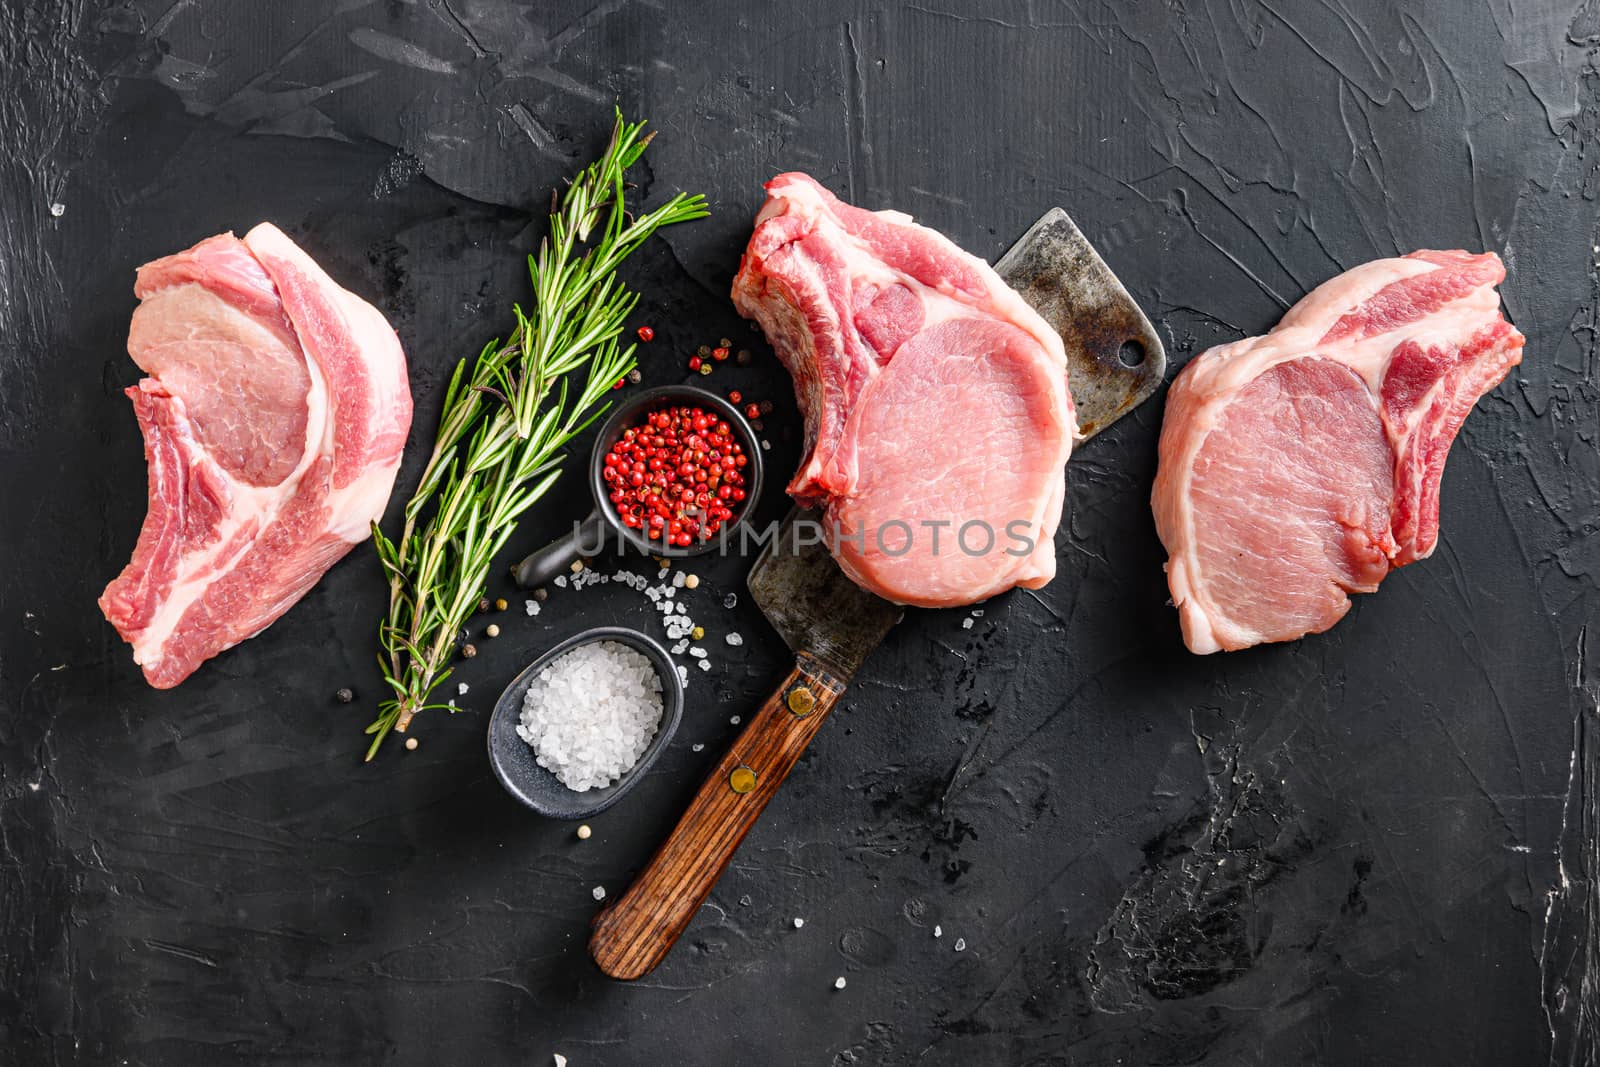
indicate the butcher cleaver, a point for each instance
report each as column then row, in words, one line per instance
column 1115, row 361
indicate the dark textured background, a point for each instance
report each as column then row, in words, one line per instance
column 1377, row 845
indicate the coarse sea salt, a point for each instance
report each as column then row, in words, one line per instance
column 590, row 714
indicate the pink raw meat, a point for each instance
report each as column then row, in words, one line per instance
column 274, row 417
column 933, row 395
column 1301, row 466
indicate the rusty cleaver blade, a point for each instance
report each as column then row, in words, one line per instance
column 1115, row 361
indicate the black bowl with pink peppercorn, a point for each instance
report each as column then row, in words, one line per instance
column 674, row 473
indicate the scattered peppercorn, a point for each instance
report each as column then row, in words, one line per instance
column 725, row 343
column 411, row 744
column 500, row 604
column 491, row 630
column 691, row 581
column 483, row 605
column 698, row 632
column 345, row 696
column 742, row 356
column 734, row 396
column 577, row 565
column 635, row 376
column 766, row 407
column 618, row 383
column 753, row 411
column 468, row 651
column 646, row 334
column 584, row 832
column 694, row 363
column 705, row 368
column 720, row 354
column 541, row 594
column 677, row 475
column 704, row 352
column 757, row 425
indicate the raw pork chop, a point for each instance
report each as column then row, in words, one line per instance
column 274, row 417
column 1301, row 466
column 936, row 405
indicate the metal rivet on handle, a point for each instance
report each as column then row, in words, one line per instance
column 800, row 701
column 742, row 779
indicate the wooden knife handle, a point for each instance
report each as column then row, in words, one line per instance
column 634, row 934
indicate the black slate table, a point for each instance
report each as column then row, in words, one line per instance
column 1377, row 845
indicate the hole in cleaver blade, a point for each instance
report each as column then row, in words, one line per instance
column 1114, row 358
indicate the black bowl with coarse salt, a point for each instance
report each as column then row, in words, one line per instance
column 514, row 761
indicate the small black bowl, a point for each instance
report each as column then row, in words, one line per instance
column 604, row 525
column 513, row 759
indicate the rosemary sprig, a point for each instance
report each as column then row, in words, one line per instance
column 506, row 417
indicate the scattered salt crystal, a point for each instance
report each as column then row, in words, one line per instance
column 696, row 747
column 452, row 702
column 599, row 892
column 532, row 607
column 730, row 601
column 977, row 613
column 697, row 652
column 677, row 649
column 734, row 719
column 560, row 582
column 683, row 674
column 734, row 639
column 938, row 931
column 966, row 624
column 705, row 665
column 798, row 922
column 961, row 944
column 671, row 591
column 678, row 580
column 590, row 715
column 561, row 1061
column 838, row 983
column 744, row 901
column 461, row 690
column 58, row 209
column 765, row 445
